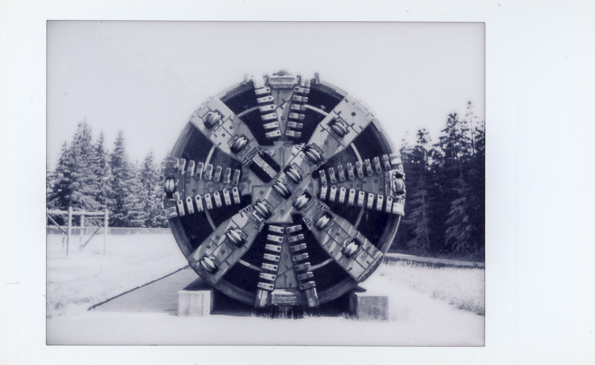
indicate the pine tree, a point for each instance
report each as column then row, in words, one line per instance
column 51, row 179
column 445, row 171
column 418, row 216
column 437, row 188
column 82, row 175
column 102, row 172
column 418, row 219
column 454, row 144
column 460, row 232
column 151, row 191
column 121, row 184
column 476, row 177
column 134, row 203
column 61, row 188
column 74, row 175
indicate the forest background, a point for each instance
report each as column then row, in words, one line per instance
column 445, row 182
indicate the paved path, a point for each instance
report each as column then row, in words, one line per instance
column 158, row 296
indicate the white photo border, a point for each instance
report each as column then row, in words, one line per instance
column 538, row 78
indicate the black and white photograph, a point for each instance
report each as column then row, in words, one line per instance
column 297, row 182
column 315, row 183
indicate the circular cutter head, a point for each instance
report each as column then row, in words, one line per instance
column 284, row 191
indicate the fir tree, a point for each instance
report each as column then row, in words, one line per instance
column 135, row 201
column 476, row 177
column 74, row 175
column 417, row 219
column 51, row 179
column 460, row 232
column 61, row 188
column 102, row 172
column 82, row 175
column 151, row 191
column 454, row 144
column 452, row 156
column 121, row 184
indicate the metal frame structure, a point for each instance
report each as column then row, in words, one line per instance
column 70, row 213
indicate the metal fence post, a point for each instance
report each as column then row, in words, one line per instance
column 105, row 220
column 69, row 228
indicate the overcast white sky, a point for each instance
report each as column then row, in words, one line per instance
column 146, row 78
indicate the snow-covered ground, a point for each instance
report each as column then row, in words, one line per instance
column 461, row 287
column 83, row 278
column 428, row 306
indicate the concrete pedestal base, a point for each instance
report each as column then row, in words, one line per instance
column 199, row 299
column 368, row 307
column 195, row 300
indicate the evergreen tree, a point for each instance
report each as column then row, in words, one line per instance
column 445, row 206
column 454, row 145
column 437, row 187
column 418, row 216
column 476, row 177
column 418, row 219
column 74, row 175
column 134, row 203
column 102, row 172
column 460, row 232
column 448, row 155
column 151, row 191
column 121, row 184
column 51, row 179
column 61, row 188
column 83, row 184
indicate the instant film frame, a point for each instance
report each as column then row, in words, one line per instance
column 409, row 75
column 516, row 41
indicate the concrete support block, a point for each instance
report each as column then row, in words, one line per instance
column 368, row 307
column 196, row 300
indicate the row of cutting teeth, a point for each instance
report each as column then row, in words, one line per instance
column 270, row 265
column 200, row 171
column 299, row 255
column 297, row 109
column 267, row 110
column 199, row 203
column 361, row 199
column 378, row 165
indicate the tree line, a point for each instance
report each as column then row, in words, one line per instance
column 89, row 177
column 444, row 211
column 445, row 206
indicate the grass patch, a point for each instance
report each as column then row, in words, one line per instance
column 461, row 287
